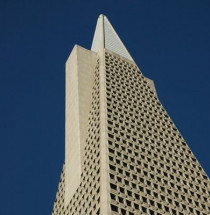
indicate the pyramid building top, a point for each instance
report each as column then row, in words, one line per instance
column 123, row 153
column 106, row 37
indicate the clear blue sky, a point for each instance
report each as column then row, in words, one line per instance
column 170, row 42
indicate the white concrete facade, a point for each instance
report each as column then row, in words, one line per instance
column 123, row 153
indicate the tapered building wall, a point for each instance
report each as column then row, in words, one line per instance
column 152, row 170
column 124, row 155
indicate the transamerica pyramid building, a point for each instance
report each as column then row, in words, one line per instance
column 123, row 153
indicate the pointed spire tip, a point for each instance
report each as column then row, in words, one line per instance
column 106, row 37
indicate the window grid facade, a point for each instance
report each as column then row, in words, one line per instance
column 152, row 170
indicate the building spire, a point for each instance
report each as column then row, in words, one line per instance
column 106, row 37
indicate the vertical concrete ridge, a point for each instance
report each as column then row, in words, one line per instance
column 105, row 201
column 72, row 132
column 79, row 82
